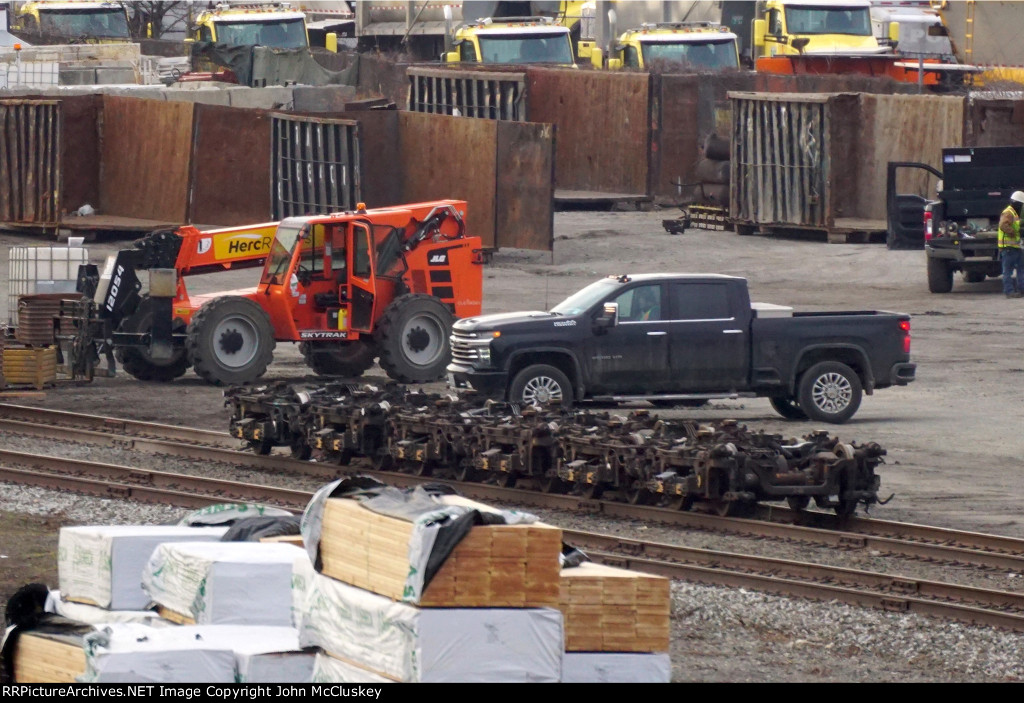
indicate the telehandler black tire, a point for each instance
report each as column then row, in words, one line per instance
column 137, row 362
column 412, row 338
column 338, row 358
column 230, row 340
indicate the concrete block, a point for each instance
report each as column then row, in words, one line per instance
column 114, row 76
column 206, row 96
column 271, row 98
column 327, row 98
column 77, row 75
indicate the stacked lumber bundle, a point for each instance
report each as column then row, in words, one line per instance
column 48, row 658
column 378, row 637
column 224, row 583
column 620, row 619
column 489, row 613
column 30, row 366
column 493, row 566
column 102, row 565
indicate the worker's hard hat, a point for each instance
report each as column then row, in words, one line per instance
column 1017, row 197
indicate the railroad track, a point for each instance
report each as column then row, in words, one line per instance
column 781, row 576
column 905, row 540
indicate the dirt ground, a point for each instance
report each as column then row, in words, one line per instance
column 953, row 437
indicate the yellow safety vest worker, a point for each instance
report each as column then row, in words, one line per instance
column 1010, row 241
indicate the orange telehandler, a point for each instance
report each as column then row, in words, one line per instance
column 349, row 287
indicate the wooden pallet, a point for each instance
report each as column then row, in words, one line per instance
column 493, row 566
column 614, row 610
column 45, row 659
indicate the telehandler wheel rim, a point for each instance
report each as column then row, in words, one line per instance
column 832, row 392
column 424, row 339
column 236, row 341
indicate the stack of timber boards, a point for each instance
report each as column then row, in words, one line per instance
column 613, row 610
column 493, row 566
column 370, row 637
column 488, row 615
column 616, row 625
column 223, row 583
column 48, row 658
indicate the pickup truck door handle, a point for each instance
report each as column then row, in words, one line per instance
column 732, row 331
column 657, row 334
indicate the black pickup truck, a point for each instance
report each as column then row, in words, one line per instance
column 701, row 338
column 960, row 227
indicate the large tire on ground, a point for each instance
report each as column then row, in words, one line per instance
column 137, row 362
column 412, row 338
column 541, row 385
column 230, row 340
column 787, row 407
column 940, row 276
column 338, row 358
column 830, row 392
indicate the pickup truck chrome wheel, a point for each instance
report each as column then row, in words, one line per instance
column 830, row 391
column 541, row 385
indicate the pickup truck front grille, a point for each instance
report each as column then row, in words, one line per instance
column 465, row 348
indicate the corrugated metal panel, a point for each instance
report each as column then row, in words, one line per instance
column 451, row 157
column 314, row 165
column 603, row 140
column 378, row 135
column 525, row 189
column 146, row 146
column 30, row 165
column 780, row 159
column 230, row 166
column 491, row 95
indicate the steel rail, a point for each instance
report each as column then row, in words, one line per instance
column 797, row 579
column 926, row 543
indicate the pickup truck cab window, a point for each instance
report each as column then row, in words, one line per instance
column 700, row 301
column 640, row 304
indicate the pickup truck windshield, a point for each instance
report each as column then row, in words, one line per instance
column 715, row 55
column 583, row 300
column 279, row 34
column 827, row 19
column 517, row 48
column 110, row 23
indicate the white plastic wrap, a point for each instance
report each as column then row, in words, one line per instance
column 411, row 644
column 92, row 615
column 133, row 653
column 225, row 583
column 611, row 667
column 327, row 669
column 103, row 564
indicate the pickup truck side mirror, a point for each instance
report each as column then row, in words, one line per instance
column 607, row 318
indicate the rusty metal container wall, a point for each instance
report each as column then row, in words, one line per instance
column 30, row 164
column 779, row 164
column 604, row 146
column 993, row 122
column 230, row 166
column 145, row 155
column 314, row 165
column 491, row 95
column 524, row 198
column 451, row 157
